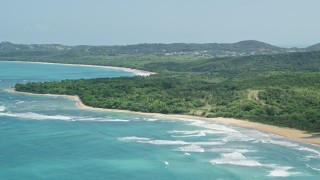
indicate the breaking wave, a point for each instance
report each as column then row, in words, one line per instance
column 317, row 169
column 235, row 158
column 225, row 150
column 166, row 142
column 133, row 138
column 276, row 142
column 216, row 127
column 191, row 148
column 150, row 119
column 36, row 116
column 2, row 108
column 281, row 171
column 313, row 153
column 19, row 102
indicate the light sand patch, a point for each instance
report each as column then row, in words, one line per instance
column 253, row 95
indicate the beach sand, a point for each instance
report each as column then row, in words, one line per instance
column 293, row 134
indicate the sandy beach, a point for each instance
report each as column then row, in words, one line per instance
column 134, row 71
column 293, row 134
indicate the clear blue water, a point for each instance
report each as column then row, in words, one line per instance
column 49, row 138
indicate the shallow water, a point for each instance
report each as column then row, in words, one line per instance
column 49, row 138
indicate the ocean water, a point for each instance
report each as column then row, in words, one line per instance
column 49, row 138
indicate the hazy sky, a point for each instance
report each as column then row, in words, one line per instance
column 121, row 22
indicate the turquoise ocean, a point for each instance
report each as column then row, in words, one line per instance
column 48, row 137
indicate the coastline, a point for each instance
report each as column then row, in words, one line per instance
column 289, row 133
column 134, row 71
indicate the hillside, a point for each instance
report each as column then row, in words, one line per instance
column 211, row 49
column 141, row 56
column 315, row 47
column 303, row 61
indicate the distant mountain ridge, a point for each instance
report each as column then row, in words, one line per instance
column 297, row 61
column 242, row 48
column 242, row 56
column 315, row 47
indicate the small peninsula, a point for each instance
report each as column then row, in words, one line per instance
column 278, row 89
column 275, row 86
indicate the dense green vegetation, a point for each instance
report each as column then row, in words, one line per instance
column 306, row 61
column 278, row 88
column 285, row 99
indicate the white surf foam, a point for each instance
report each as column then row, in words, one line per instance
column 191, row 148
column 133, row 138
column 165, row 142
column 36, row 116
column 2, row 108
column 100, row 119
column 235, row 158
column 308, row 150
column 113, row 120
column 195, row 133
column 281, row 171
column 89, row 119
column 212, row 126
column 152, row 141
column 150, row 119
column 200, row 134
column 317, row 169
column 244, row 134
column 276, row 142
column 283, row 143
column 19, row 102
column 313, row 154
column 208, row 143
column 229, row 150
column 237, row 137
column 178, row 142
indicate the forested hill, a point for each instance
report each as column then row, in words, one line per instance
column 303, row 61
column 315, row 47
column 249, row 47
column 213, row 57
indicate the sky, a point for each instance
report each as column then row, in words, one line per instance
column 285, row 23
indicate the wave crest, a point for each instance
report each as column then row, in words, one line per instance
column 192, row 148
column 235, row 158
column 36, row 116
column 281, row 171
column 2, row 108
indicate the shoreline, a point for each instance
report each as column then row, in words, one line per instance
column 137, row 72
column 289, row 133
